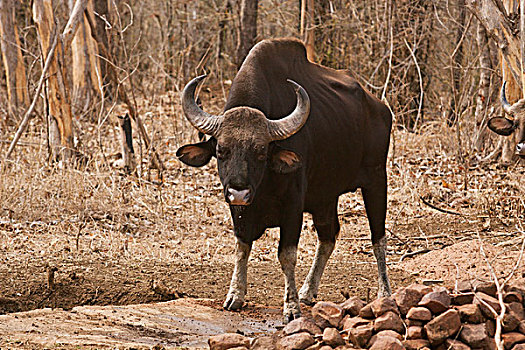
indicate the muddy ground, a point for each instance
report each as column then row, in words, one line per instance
column 120, row 240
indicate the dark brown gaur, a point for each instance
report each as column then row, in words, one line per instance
column 505, row 126
column 282, row 152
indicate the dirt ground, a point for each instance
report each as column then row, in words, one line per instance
column 120, row 240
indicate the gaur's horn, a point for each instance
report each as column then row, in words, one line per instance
column 506, row 105
column 202, row 121
column 289, row 125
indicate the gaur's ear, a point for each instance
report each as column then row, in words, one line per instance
column 502, row 126
column 197, row 154
column 284, row 161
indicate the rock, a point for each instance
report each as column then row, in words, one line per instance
column 366, row 312
column 387, row 333
column 389, row 320
column 475, row 335
column 519, row 347
column 462, row 299
column 414, row 323
column 521, row 327
column 239, row 348
column 355, row 322
column 360, row 335
column 407, row 298
column 421, row 288
column 490, row 326
column 509, row 339
column 297, row 341
column 419, row 314
column 479, row 296
column 511, row 297
column 383, row 305
column 263, row 343
column 520, row 290
column 332, row 337
column 517, row 308
column 510, row 321
column 228, row 341
column 416, row 344
column 302, row 324
column 443, row 326
column 327, row 314
column 325, row 347
column 436, row 301
column 464, row 287
column 352, row 306
column 387, row 343
column 486, row 287
column 453, row 344
column 415, row 332
column 470, row 313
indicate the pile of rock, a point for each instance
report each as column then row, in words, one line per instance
column 415, row 317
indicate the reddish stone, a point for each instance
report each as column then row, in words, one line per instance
column 302, row 325
column 509, row 339
column 436, row 301
column 366, row 312
column 263, row 343
column 462, row 299
column 470, row 313
column 383, row 305
column 452, row 344
column 415, row 332
column 510, row 321
column 410, row 323
column 406, row 298
column 419, row 314
column 387, row 343
column 475, row 335
column 352, row 306
column 360, row 335
column 386, row 333
column 481, row 299
column 443, row 326
column 521, row 327
column 517, row 308
column 355, row 322
column 486, row 287
column 421, row 288
column 324, row 347
column 239, row 348
column 490, row 326
column 416, row 344
column 512, row 297
column 296, row 341
column 228, row 341
column 327, row 314
column 332, row 337
column 389, row 320
column 519, row 347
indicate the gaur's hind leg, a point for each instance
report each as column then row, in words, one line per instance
column 374, row 197
column 235, row 297
column 326, row 223
column 288, row 258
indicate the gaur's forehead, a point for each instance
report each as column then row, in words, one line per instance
column 243, row 125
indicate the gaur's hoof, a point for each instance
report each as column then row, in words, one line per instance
column 233, row 302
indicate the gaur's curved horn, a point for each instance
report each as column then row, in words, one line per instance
column 289, row 125
column 202, row 121
column 505, row 104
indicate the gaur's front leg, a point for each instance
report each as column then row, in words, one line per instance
column 237, row 292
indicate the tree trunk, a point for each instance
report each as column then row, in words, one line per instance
column 483, row 97
column 248, row 29
column 59, row 109
column 18, row 97
column 86, row 73
column 307, row 27
column 455, row 106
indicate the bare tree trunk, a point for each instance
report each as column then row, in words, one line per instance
column 18, row 97
column 455, row 106
column 59, row 108
column 248, row 29
column 307, row 27
column 100, row 12
column 86, row 72
column 483, row 98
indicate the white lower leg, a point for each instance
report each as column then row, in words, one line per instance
column 380, row 254
column 288, row 258
column 237, row 292
column 308, row 291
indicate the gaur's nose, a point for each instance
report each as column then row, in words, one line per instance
column 239, row 197
column 520, row 149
